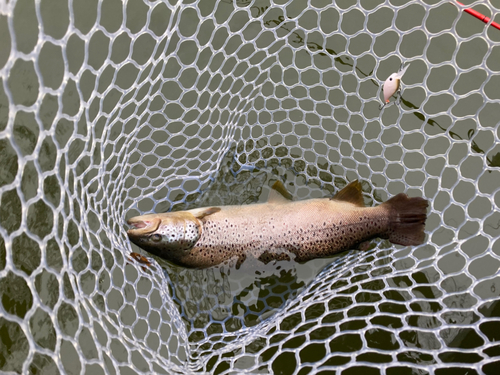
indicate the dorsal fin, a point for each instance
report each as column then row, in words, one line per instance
column 351, row 193
column 279, row 194
column 200, row 213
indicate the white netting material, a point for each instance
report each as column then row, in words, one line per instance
column 110, row 109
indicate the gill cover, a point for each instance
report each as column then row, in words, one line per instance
column 178, row 231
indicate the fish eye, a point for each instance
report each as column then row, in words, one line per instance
column 156, row 237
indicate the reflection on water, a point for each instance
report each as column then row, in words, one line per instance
column 228, row 300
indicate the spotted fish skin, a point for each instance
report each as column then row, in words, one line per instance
column 279, row 229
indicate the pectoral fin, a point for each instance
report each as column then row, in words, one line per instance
column 200, row 213
column 351, row 193
column 279, row 194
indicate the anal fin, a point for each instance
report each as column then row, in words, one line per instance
column 364, row 246
column 200, row 213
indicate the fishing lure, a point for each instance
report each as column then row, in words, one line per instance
column 393, row 85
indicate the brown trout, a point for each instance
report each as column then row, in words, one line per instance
column 280, row 229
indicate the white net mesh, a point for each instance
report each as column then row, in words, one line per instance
column 111, row 109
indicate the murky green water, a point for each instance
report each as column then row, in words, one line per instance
column 124, row 109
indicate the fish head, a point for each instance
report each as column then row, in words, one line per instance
column 391, row 85
column 167, row 235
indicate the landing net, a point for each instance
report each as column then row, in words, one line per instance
column 110, row 109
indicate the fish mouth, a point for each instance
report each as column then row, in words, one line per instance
column 139, row 226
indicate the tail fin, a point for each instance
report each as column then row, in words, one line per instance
column 407, row 217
